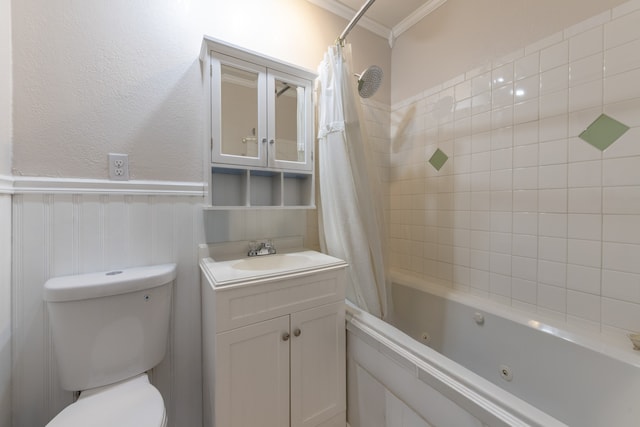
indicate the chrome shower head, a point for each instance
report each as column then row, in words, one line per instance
column 369, row 81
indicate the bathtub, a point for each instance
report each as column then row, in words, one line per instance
column 453, row 360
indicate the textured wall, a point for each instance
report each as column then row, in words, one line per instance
column 5, row 87
column 93, row 78
column 462, row 34
column 524, row 211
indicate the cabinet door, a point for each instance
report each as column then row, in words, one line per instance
column 238, row 109
column 290, row 121
column 318, row 365
column 252, row 375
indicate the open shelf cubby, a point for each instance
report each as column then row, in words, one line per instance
column 242, row 188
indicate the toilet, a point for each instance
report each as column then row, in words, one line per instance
column 108, row 330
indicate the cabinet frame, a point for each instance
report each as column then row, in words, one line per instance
column 300, row 196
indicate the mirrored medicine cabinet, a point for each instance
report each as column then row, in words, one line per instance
column 260, row 135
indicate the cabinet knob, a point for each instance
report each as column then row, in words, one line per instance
column 264, row 140
column 297, row 332
column 285, row 336
column 272, row 141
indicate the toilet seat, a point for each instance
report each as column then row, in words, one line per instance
column 130, row 403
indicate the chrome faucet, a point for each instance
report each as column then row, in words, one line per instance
column 261, row 248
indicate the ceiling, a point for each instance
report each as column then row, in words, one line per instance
column 387, row 18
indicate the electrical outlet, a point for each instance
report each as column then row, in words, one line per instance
column 119, row 167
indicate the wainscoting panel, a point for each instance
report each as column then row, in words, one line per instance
column 61, row 234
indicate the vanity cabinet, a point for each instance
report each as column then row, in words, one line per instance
column 259, row 146
column 274, row 346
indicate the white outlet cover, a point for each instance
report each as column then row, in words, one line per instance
column 119, row 167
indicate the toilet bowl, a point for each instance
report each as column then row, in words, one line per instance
column 108, row 330
column 129, row 403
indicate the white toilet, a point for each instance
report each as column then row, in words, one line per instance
column 108, row 330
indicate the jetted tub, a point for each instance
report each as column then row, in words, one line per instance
column 455, row 360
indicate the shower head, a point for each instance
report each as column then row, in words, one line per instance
column 369, row 81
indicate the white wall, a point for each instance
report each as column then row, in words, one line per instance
column 125, row 77
column 463, row 34
column 5, row 87
column 524, row 211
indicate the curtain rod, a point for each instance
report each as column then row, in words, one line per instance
column 354, row 21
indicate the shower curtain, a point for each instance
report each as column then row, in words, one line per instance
column 350, row 214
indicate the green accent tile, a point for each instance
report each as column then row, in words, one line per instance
column 603, row 132
column 438, row 159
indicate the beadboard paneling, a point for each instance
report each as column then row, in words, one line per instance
column 60, row 234
column 5, row 310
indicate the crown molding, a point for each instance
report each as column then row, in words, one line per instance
column 347, row 13
column 415, row 17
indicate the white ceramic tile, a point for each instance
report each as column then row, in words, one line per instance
column 624, row 315
column 586, row 253
column 621, row 171
column 554, row 56
column 463, row 90
column 622, row 87
column 588, row 95
column 585, row 174
column 500, row 285
column 479, row 279
column 554, row 80
column 525, row 223
column 481, row 161
column 527, row 66
column 552, row 249
column 552, row 225
column 525, row 201
column 625, row 8
column 500, row 263
column 501, row 243
column 479, row 259
column 554, row 128
column 548, row 41
column 502, row 117
column 524, row 268
column 621, row 200
column 583, row 305
column 462, row 127
column 622, row 30
column 622, row 58
column 580, row 120
column 585, row 226
column 480, row 123
column 502, row 138
column 481, row 83
column 552, row 298
column 525, row 245
column 554, row 104
column 525, row 133
column 621, row 257
column 621, row 286
column 525, row 156
column 501, row 159
column 508, row 58
column 627, row 112
column 480, row 182
column 580, row 151
column 462, row 109
column 502, row 75
column 525, row 178
column 621, row 228
column 524, row 290
column 585, row 200
column 526, row 111
column 586, row 70
column 553, row 152
column 586, row 43
column 527, row 89
column 501, row 200
column 480, row 240
column 553, row 201
column 583, row 279
column 552, row 176
column 480, row 142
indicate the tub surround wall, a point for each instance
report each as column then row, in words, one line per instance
column 524, row 211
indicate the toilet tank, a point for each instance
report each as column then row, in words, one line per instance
column 109, row 326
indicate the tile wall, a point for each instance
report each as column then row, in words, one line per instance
column 524, row 211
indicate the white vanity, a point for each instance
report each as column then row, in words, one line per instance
column 273, row 339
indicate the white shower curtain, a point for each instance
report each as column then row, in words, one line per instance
column 350, row 215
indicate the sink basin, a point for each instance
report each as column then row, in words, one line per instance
column 271, row 262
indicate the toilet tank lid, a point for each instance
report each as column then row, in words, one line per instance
column 107, row 283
